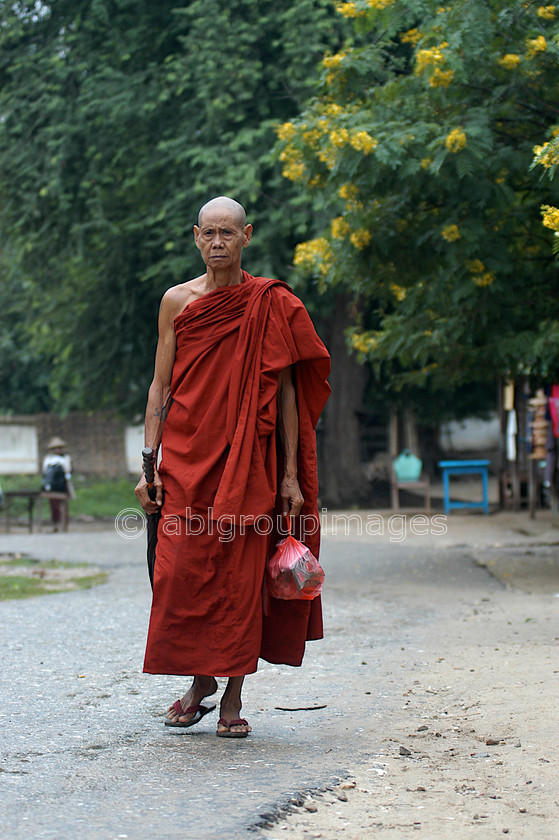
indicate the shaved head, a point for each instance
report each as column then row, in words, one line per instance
column 222, row 202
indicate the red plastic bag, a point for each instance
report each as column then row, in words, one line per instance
column 294, row 572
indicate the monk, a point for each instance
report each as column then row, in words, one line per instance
column 238, row 387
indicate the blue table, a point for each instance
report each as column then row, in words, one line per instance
column 449, row 468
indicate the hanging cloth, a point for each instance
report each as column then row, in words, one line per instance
column 508, row 396
column 512, row 430
column 554, row 408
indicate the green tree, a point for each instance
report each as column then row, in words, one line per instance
column 119, row 119
column 417, row 153
column 24, row 378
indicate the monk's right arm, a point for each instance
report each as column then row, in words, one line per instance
column 159, row 397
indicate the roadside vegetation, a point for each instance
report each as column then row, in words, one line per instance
column 24, row 577
column 96, row 498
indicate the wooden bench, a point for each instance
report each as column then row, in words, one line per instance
column 423, row 484
column 31, row 496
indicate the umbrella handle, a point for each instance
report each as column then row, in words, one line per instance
column 148, row 458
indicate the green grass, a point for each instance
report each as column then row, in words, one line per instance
column 44, row 577
column 103, row 498
column 96, row 497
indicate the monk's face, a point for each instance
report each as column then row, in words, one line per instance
column 221, row 238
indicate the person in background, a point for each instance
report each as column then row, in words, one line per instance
column 57, row 478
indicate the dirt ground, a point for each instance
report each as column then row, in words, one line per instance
column 472, row 749
column 457, row 736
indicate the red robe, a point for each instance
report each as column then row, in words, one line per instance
column 221, row 460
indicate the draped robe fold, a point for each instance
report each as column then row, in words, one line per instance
column 221, row 466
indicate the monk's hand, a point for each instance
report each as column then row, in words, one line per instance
column 142, row 494
column 291, row 496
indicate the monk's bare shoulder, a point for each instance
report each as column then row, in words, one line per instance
column 178, row 297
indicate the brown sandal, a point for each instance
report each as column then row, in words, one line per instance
column 229, row 724
column 199, row 712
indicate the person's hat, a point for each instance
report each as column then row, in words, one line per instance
column 55, row 442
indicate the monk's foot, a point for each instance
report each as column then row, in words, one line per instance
column 201, row 687
column 231, row 724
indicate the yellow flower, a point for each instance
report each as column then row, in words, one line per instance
column 379, row 4
column 547, row 12
column 328, row 156
column 483, row 279
column 339, row 137
column 426, row 162
column 535, row 46
column 286, row 131
column 412, row 36
column 363, row 342
column 475, row 266
column 312, row 136
column 331, row 62
column 425, row 58
column 348, row 10
column 285, row 154
column 456, row 140
column 510, row 61
column 294, row 171
column 441, row 78
column 315, row 181
column 316, row 253
column 502, row 176
column 547, row 155
column 348, row 191
column 398, row 291
column 451, row 233
column 353, row 206
column 363, row 142
column 550, row 217
column 294, row 167
column 360, row 238
column 339, row 227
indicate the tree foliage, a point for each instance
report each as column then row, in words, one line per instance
column 417, row 153
column 119, row 119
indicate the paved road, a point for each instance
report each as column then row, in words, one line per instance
column 84, row 751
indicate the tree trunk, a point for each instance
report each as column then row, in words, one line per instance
column 393, row 440
column 411, row 440
column 342, row 479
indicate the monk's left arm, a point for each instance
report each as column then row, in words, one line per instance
column 292, row 498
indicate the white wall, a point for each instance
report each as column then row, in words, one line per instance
column 19, row 449
column 133, row 444
column 471, row 435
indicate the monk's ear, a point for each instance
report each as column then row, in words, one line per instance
column 247, row 233
column 196, row 231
